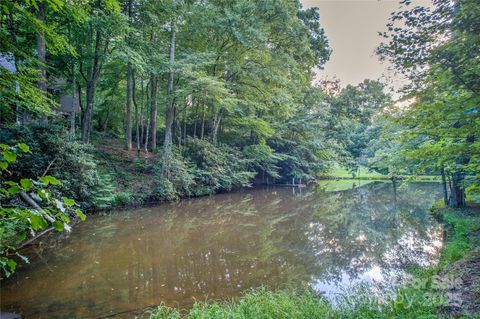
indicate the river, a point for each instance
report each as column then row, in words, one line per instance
column 211, row 248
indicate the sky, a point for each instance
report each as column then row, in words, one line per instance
column 352, row 28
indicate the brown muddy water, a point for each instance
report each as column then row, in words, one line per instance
column 116, row 264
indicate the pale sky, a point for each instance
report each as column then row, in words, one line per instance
column 352, row 28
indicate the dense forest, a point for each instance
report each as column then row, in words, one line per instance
column 108, row 103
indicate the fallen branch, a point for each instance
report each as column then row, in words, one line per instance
column 35, row 238
column 48, row 167
column 26, row 198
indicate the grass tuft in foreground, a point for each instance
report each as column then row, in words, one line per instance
column 257, row 304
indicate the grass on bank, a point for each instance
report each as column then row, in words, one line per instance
column 424, row 297
column 335, row 185
column 339, row 172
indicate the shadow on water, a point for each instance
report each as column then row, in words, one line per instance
column 218, row 246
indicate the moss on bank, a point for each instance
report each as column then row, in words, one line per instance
column 449, row 289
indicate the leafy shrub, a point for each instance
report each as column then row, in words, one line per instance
column 297, row 160
column 262, row 158
column 179, row 182
column 216, row 167
column 123, row 198
column 182, row 174
column 201, row 168
column 27, row 205
column 164, row 189
column 54, row 153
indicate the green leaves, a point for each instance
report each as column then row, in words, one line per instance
column 8, row 265
column 80, row 214
column 13, row 188
column 24, row 147
column 26, row 183
column 38, row 222
column 49, row 180
column 9, row 156
column 58, row 225
column 35, row 209
column 68, row 202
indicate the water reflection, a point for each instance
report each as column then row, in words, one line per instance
column 216, row 247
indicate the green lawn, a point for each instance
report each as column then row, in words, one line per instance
column 339, row 172
column 334, row 185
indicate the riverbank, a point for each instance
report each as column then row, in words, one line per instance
column 449, row 289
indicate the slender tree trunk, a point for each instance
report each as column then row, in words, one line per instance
column 13, row 35
column 74, row 103
column 137, row 124
column 80, row 104
column 185, row 117
column 142, row 106
column 42, row 57
column 444, row 186
column 87, row 116
column 153, row 112
column 179, row 131
column 41, row 50
column 216, row 125
column 128, row 124
column 202, row 130
column 147, row 127
column 128, row 120
column 457, row 194
column 195, row 115
column 167, row 145
column 72, row 124
column 91, row 80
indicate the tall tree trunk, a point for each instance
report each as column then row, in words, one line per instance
column 153, row 112
column 195, row 115
column 128, row 120
column 13, row 35
column 128, row 114
column 87, row 116
column 41, row 55
column 202, row 130
column 142, row 106
column 147, row 127
column 41, row 50
column 185, row 118
column 167, row 145
column 80, row 104
column 444, row 186
column 216, row 125
column 91, row 79
column 457, row 194
column 137, row 124
column 74, row 103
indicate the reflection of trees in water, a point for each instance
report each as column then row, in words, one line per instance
column 277, row 240
column 218, row 246
column 352, row 231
